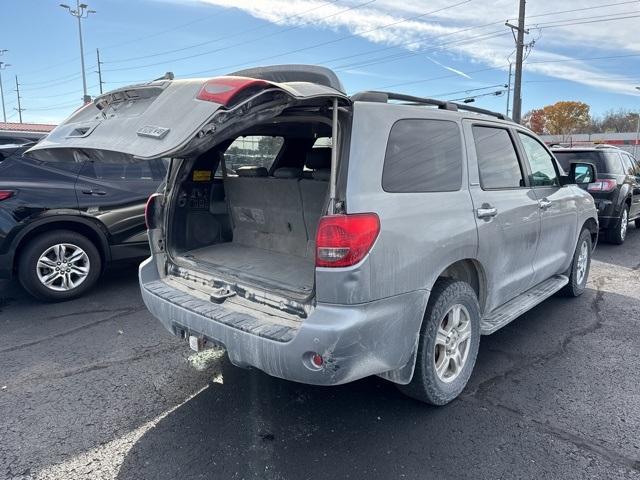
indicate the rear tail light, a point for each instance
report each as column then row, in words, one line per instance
column 151, row 210
column 603, row 185
column 4, row 194
column 227, row 90
column 344, row 240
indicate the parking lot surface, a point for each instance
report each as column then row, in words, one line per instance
column 96, row 389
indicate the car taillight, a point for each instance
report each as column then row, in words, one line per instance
column 4, row 194
column 223, row 90
column 344, row 240
column 150, row 218
column 603, row 185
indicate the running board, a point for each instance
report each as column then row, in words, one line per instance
column 522, row 303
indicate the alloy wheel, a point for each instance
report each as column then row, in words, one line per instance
column 63, row 267
column 624, row 224
column 453, row 341
column 583, row 262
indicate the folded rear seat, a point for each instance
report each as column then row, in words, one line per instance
column 267, row 213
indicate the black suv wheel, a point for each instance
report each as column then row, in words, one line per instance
column 618, row 233
column 59, row 265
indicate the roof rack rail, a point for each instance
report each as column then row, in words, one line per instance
column 606, row 145
column 384, row 97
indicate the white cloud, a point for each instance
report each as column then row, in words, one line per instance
column 389, row 23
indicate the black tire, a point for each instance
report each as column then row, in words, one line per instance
column 576, row 285
column 27, row 265
column 426, row 385
column 616, row 234
column 637, row 222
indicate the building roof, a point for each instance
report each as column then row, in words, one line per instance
column 26, row 127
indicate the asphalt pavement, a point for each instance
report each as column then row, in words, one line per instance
column 96, row 389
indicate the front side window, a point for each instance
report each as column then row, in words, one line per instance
column 423, row 156
column 497, row 158
column 629, row 167
column 543, row 170
column 252, row 151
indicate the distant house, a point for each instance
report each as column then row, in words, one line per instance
column 625, row 141
column 22, row 132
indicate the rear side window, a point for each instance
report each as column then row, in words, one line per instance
column 629, row 166
column 497, row 159
column 252, row 151
column 120, row 172
column 605, row 162
column 423, row 156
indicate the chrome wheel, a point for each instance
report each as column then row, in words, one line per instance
column 624, row 224
column 63, row 267
column 583, row 262
column 453, row 341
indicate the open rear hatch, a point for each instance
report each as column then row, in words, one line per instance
column 185, row 119
column 174, row 118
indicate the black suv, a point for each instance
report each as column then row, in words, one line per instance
column 617, row 189
column 61, row 223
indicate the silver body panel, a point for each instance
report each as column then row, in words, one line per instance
column 367, row 317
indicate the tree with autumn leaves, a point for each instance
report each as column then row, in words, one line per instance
column 561, row 118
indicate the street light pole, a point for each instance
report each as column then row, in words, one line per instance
column 81, row 11
column 3, row 65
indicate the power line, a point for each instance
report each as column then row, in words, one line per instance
column 402, row 55
column 550, row 25
column 595, row 7
column 566, row 60
column 330, row 42
column 497, row 93
column 471, row 90
column 209, row 52
column 227, row 36
column 162, row 32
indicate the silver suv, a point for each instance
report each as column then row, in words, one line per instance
column 323, row 238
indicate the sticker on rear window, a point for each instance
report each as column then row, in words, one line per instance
column 153, row 131
column 202, row 175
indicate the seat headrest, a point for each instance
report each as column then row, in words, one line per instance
column 252, row 172
column 319, row 158
column 324, row 174
column 288, row 172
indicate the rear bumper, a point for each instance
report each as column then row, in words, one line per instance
column 355, row 341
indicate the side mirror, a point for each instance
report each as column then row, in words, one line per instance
column 582, row 173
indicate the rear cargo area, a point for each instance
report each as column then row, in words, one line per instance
column 256, row 224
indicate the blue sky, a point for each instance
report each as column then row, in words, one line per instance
column 447, row 48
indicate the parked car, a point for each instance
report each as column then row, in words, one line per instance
column 62, row 222
column 617, row 189
column 424, row 225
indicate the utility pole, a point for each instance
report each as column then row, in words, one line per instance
column 517, row 89
column 99, row 72
column 3, row 65
column 635, row 147
column 81, row 11
column 509, row 88
column 19, row 109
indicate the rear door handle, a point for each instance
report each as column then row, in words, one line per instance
column 486, row 212
column 94, row 192
column 545, row 204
